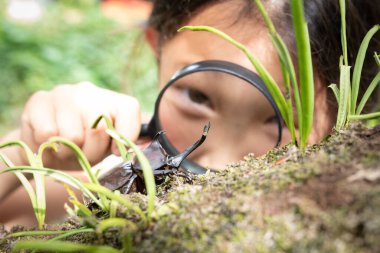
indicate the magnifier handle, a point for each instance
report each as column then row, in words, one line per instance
column 144, row 132
column 149, row 129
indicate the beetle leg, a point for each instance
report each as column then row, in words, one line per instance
column 126, row 189
column 163, row 172
column 188, row 177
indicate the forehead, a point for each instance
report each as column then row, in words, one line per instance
column 188, row 47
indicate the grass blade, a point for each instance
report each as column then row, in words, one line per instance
column 47, row 233
column 149, row 181
column 336, row 91
column 342, row 5
column 115, row 222
column 24, row 181
column 82, row 159
column 287, row 69
column 58, row 246
column 81, row 209
column 114, row 205
column 359, row 66
column 58, row 175
column 29, row 153
column 305, row 66
column 344, row 87
column 38, row 199
column 121, row 200
column 374, row 115
column 377, row 58
column 123, row 151
column 372, row 86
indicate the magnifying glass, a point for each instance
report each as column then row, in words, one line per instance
column 232, row 98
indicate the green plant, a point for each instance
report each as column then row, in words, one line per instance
column 347, row 93
column 36, row 196
column 304, row 96
column 108, row 200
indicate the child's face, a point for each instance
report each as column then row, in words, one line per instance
column 241, row 118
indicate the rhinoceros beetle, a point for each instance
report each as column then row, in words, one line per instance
column 128, row 177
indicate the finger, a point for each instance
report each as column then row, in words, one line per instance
column 39, row 119
column 127, row 118
column 69, row 127
column 96, row 141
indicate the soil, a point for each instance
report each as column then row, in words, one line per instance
column 324, row 200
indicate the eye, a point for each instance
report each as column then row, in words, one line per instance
column 198, row 97
column 271, row 120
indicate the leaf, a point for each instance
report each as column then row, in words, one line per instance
column 58, row 246
column 336, row 91
column 359, row 66
column 115, row 222
column 123, row 151
column 372, row 86
column 58, row 175
column 121, row 200
column 149, row 181
column 368, row 116
column 82, row 159
column 344, row 87
column 305, row 69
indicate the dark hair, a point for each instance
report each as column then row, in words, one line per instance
column 323, row 18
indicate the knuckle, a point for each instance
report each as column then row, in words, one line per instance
column 85, row 84
column 36, row 97
column 43, row 134
column 133, row 103
column 76, row 138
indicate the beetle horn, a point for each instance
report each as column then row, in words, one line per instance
column 176, row 161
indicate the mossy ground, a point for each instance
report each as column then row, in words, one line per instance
column 327, row 200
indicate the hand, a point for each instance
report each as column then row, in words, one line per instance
column 69, row 111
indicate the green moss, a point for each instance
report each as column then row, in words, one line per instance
column 326, row 200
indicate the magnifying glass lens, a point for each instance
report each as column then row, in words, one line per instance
column 242, row 119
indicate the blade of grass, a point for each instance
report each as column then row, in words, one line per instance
column 372, row 86
column 123, row 151
column 114, row 205
column 264, row 74
column 58, row 246
column 47, row 233
column 85, row 164
column 368, row 116
column 287, row 68
column 58, row 175
column 336, row 91
column 356, row 75
column 305, row 70
column 343, row 38
column 377, row 59
column 344, row 87
column 122, row 201
column 29, row 153
column 149, row 181
column 115, row 222
column 24, row 181
column 81, row 209
column 38, row 200
column 82, row 159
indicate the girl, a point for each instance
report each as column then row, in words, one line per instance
column 70, row 110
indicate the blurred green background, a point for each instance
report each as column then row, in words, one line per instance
column 73, row 41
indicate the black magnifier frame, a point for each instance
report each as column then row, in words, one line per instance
column 154, row 126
